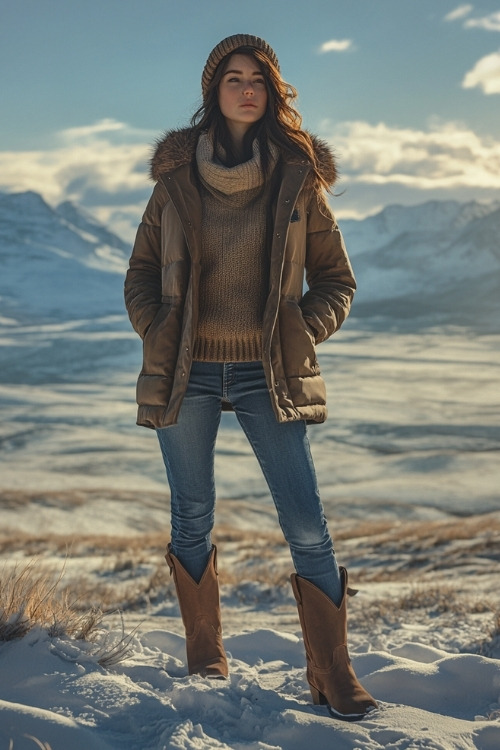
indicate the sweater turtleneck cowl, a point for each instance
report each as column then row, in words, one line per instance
column 235, row 261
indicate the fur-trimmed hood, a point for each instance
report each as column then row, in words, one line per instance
column 178, row 147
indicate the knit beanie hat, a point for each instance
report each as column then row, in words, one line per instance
column 228, row 45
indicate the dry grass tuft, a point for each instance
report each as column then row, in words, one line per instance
column 440, row 599
column 431, row 599
column 31, row 597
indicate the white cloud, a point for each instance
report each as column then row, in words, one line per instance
column 460, row 12
column 489, row 23
column 336, row 45
column 447, row 156
column 102, row 166
column 107, row 125
column 484, row 75
column 84, row 158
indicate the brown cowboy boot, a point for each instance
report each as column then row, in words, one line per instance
column 200, row 611
column 330, row 674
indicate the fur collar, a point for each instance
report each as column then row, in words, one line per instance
column 178, row 147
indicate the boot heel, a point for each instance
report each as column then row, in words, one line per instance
column 318, row 698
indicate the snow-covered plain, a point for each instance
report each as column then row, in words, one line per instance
column 409, row 472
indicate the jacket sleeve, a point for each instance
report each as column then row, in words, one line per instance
column 329, row 275
column 143, row 279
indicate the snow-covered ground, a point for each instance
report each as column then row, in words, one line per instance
column 423, row 640
column 408, row 465
column 56, row 691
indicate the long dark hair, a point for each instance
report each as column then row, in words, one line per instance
column 281, row 123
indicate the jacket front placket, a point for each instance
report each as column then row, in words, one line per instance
column 294, row 176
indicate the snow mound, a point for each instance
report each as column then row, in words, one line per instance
column 61, row 695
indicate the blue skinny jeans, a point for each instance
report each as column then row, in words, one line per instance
column 284, row 455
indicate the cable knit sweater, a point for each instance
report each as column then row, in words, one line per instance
column 235, row 265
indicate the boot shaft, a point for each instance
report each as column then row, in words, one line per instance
column 324, row 625
column 200, row 610
column 196, row 599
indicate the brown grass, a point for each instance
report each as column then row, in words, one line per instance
column 407, row 547
column 483, row 531
column 31, row 596
column 65, row 499
column 140, row 547
column 440, row 599
column 439, row 603
column 428, row 533
column 130, row 572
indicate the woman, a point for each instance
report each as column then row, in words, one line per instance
column 215, row 289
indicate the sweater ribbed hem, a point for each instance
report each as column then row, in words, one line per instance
column 248, row 349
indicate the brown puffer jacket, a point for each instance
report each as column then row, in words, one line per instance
column 162, row 284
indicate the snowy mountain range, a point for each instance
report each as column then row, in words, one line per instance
column 434, row 263
column 57, row 263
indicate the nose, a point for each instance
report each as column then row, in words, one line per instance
column 248, row 88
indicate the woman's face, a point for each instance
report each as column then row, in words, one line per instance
column 242, row 93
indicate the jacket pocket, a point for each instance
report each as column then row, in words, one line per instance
column 161, row 341
column 297, row 342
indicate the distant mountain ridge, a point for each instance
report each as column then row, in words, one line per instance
column 434, row 263
column 80, row 219
column 57, row 263
column 393, row 220
column 437, row 263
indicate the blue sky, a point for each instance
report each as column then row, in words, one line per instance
column 407, row 92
